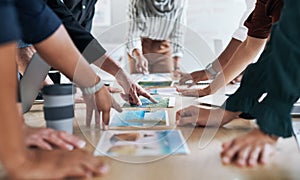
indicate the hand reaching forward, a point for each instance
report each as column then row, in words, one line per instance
column 132, row 90
column 48, row 139
column 102, row 101
column 251, row 149
column 204, row 117
column 194, row 92
column 196, row 76
column 133, row 95
column 57, row 164
column 141, row 64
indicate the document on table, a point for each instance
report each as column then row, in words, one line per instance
column 219, row 97
column 139, row 119
column 152, row 77
column 162, row 102
column 141, row 143
column 296, row 128
column 155, row 84
column 167, row 91
column 213, row 100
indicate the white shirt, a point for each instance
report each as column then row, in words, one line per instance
column 170, row 26
column 241, row 32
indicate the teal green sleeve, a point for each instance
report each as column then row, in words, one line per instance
column 276, row 75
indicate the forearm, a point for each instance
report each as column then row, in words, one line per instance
column 244, row 55
column 134, row 31
column 225, row 56
column 108, row 64
column 59, row 51
column 12, row 149
column 176, row 60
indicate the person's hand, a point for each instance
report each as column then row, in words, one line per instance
column 79, row 97
column 57, row 164
column 132, row 95
column 132, row 91
column 195, row 77
column 141, row 64
column 102, row 101
column 114, row 90
column 251, row 149
column 48, row 139
column 177, row 73
column 194, row 92
column 191, row 115
column 198, row 116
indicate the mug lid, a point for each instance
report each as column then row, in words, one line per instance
column 59, row 89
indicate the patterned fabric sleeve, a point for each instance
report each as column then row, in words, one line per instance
column 134, row 32
column 177, row 35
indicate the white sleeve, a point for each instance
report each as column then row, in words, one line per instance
column 134, row 32
column 177, row 35
column 241, row 32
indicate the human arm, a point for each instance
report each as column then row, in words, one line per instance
column 75, row 68
column 177, row 72
column 92, row 49
column 85, row 42
column 177, row 36
column 18, row 161
column 272, row 113
column 49, row 139
column 141, row 62
column 251, row 149
column 198, row 116
column 130, row 88
column 217, row 64
column 134, row 44
column 243, row 56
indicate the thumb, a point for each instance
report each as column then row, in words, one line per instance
column 116, row 105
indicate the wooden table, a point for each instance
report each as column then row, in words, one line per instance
column 202, row 163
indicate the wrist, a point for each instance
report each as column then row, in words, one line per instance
column 176, row 60
column 211, row 71
column 136, row 53
column 176, row 68
column 14, row 162
column 93, row 89
column 272, row 136
column 124, row 80
column 207, row 90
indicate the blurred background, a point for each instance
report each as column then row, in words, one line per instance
column 210, row 25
